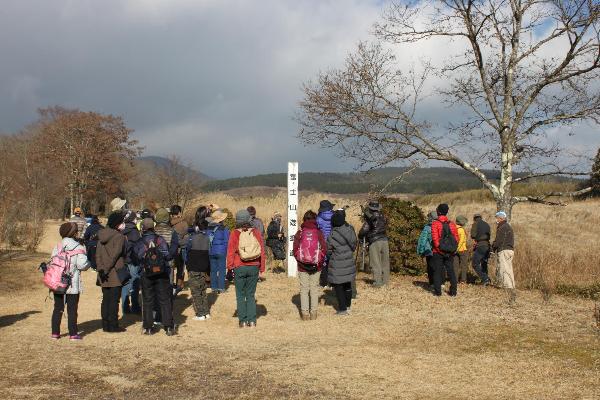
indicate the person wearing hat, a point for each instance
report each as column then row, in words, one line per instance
column 179, row 224
column 481, row 234
column 425, row 246
column 442, row 259
column 324, row 216
column 117, row 204
column 276, row 242
column 81, row 223
column 110, row 258
column 163, row 228
column 257, row 222
column 504, row 246
column 246, row 255
column 219, row 235
column 130, row 292
column 374, row 230
column 78, row 262
column 156, row 288
column 461, row 259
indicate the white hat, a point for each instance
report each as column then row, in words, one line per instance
column 117, row 203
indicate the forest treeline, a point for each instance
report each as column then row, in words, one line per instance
column 420, row 181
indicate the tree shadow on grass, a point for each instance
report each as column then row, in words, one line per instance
column 7, row 320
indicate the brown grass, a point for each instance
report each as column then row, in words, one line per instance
column 399, row 343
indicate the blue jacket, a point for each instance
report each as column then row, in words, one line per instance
column 425, row 243
column 220, row 234
column 324, row 222
column 142, row 245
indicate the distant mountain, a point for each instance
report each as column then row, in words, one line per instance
column 420, row 181
column 163, row 162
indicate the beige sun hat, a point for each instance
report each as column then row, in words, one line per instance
column 117, row 203
column 217, row 216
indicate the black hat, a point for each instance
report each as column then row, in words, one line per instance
column 326, row 205
column 338, row 218
column 375, row 206
column 115, row 219
column 443, row 209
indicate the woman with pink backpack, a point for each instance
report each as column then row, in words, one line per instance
column 309, row 250
column 69, row 255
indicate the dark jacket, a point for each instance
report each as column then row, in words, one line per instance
column 276, row 243
column 171, row 237
column 374, row 228
column 142, row 245
column 132, row 235
column 220, row 240
column 505, row 237
column 110, row 256
column 481, row 232
column 90, row 238
column 196, row 255
column 181, row 227
column 341, row 244
column 311, row 224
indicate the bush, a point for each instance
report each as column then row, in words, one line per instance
column 405, row 222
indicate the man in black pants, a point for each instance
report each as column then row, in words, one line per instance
column 480, row 233
column 155, row 288
column 443, row 259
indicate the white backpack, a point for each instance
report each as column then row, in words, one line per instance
column 248, row 246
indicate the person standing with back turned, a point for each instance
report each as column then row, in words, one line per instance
column 374, row 230
column 246, row 255
column 445, row 244
column 480, row 233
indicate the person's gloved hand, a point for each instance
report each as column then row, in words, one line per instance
column 103, row 276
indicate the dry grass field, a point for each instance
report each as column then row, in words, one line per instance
column 399, row 342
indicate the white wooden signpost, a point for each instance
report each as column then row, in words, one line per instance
column 292, row 213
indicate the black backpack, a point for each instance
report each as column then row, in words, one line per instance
column 448, row 243
column 154, row 262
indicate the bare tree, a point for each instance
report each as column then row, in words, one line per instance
column 177, row 183
column 523, row 67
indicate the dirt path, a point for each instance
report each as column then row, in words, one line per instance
column 398, row 343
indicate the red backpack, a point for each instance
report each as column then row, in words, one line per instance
column 309, row 251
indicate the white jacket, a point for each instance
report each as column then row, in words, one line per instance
column 79, row 262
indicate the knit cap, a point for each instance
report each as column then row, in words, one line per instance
column 338, row 218
column 461, row 220
column 432, row 216
column 162, row 216
column 242, row 217
column 501, row 214
column 68, row 229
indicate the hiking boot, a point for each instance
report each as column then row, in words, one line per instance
column 170, row 332
column 200, row 318
column 251, row 324
column 148, row 332
column 117, row 329
column 305, row 316
column 243, row 324
column 342, row 313
column 313, row 315
column 75, row 337
column 55, row 336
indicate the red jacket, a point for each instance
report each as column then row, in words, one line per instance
column 310, row 224
column 436, row 232
column 233, row 257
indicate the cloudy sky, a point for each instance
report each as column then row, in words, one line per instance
column 215, row 81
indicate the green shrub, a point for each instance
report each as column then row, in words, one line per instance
column 405, row 222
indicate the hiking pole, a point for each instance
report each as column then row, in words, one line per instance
column 363, row 251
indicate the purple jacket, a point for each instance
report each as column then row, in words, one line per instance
column 324, row 222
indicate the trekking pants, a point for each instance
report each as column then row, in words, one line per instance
column 442, row 264
column 429, row 261
column 218, row 269
column 504, row 271
column 72, row 301
column 343, row 292
column 198, row 286
column 246, row 278
column 481, row 256
column 110, row 307
column 379, row 260
column 309, row 291
column 461, row 265
column 157, row 289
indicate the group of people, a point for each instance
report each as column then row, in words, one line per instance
column 444, row 246
column 149, row 252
